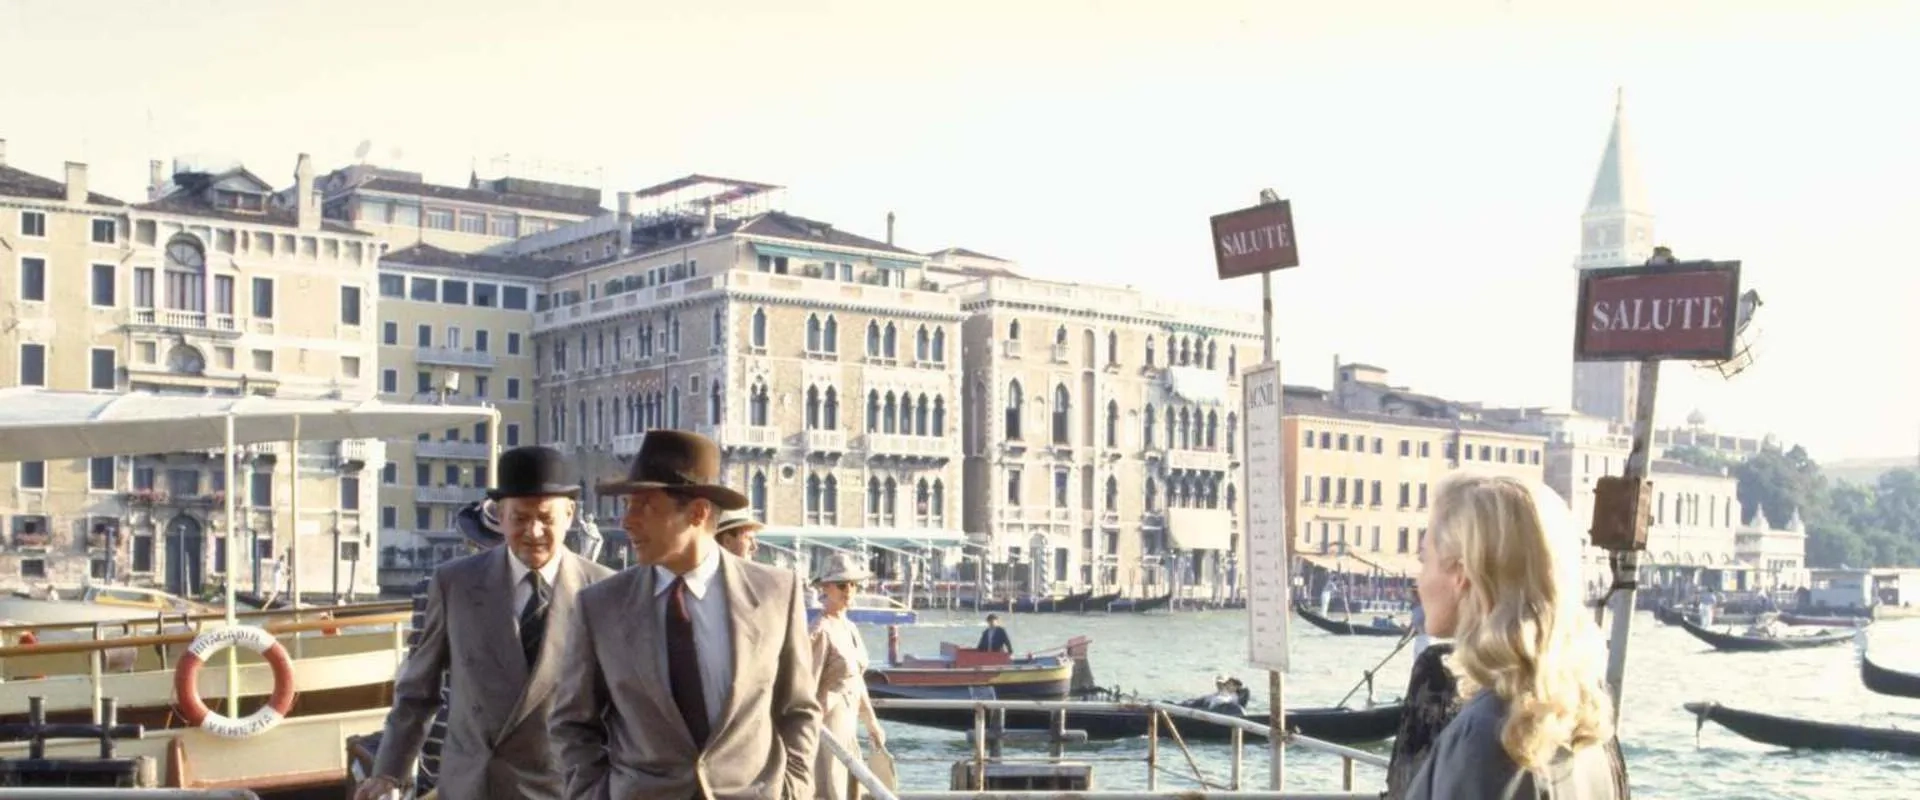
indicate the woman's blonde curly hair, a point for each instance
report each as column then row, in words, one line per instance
column 1521, row 630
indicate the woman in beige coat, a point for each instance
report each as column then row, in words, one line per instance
column 840, row 658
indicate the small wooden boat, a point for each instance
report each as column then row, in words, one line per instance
column 1800, row 734
column 1347, row 627
column 1035, row 676
column 1339, row 725
column 1735, row 643
column 1881, row 680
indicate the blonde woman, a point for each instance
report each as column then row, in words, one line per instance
column 840, row 658
column 1500, row 575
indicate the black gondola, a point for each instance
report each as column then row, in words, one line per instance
column 1101, row 603
column 1893, row 682
column 1148, row 604
column 1347, row 627
column 1803, row 734
column 1338, row 725
column 1734, row 643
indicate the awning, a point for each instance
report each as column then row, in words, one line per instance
column 1197, row 385
column 889, row 263
column 41, row 425
column 1200, row 528
column 903, row 538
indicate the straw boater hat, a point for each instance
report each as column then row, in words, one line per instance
column 681, row 462
column 739, row 521
column 843, row 567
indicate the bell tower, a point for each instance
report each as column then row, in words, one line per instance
column 1616, row 230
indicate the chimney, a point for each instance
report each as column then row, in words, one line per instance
column 306, row 215
column 889, row 227
column 156, row 179
column 76, row 182
column 625, row 234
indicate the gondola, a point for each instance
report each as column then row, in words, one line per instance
column 1734, row 643
column 1803, row 734
column 1141, row 605
column 1338, row 725
column 1810, row 620
column 1347, row 627
column 1101, row 603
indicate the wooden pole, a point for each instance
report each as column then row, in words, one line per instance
column 1276, row 684
column 1626, row 563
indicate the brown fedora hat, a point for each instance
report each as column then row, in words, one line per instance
column 678, row 461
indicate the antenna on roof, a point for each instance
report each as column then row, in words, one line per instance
column 360, row 153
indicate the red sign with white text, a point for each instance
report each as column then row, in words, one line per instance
column 1255, row 240
column 1684, row 312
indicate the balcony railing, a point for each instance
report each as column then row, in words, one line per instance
column 1028, row 515
column 446, row 495
column 363, row 450
column 433, row 399
column 451, row 357
column 825, row 441
column 736, row 435
column 1060, row 353
column 901, row 445
column 1198, row 460
column 189, row 320
column 444, row 449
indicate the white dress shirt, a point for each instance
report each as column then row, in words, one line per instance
column 712, row 630
column 523, row 588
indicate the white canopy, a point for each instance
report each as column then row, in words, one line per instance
column 40, row 425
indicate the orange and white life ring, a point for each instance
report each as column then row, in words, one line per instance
column 186, row 682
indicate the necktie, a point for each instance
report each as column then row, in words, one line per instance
column 683, row 664
column 533, row 618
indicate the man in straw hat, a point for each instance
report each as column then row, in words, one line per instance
column 486, row 632
column 691, row 675
column 738, row 533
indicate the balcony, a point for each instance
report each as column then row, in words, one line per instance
column 1198, row 460
column 434, row 399
column 478, row 451
column 223, row 325
column 825, row 441
column 446, row 495
column 893, row 444
column 1060, row 353
column 1010, row 348
column 736, row 436
column 451, row 357
column 1027, row 515
column 361, row 451
column 251, row 451
column 627, row 444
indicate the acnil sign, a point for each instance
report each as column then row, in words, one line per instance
column 1682, row 311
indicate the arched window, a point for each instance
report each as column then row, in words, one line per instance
column 920, row 412
column 922, row 345
column 1149, row 351
column 1213, row 430
column 873, row 500
column 673, row 332
column 1213, row 350
column 1014, row 402
column 906, row 414
column 831, row 337
column 813, row 499
column 1113, row 347
column 889, row 491
column 759, row 327
column 673, row 407
column 1113, row 494
column 830, row 501
column 1146, row 427
column 1013, row 330
column 719, row 331
column 887, row 342
column 813, row 333
column 873, row 411
column 1231, row 498
column 922, row 503
column 830, row 412
column 1186, row 438
column 1151, row 495
column 758, row 496
column 714, row 403
column 1061, row 407
column 813, row 408
column 890, row 415
column 940, row 345
column 939, row 416
column 1233, row 427
column 1233, row 360
column 757, row 405
column 939, row 502
column 1170, row 428
column 186, row 275
column 1113, row 423
column 873, row 340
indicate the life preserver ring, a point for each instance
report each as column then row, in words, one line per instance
column 186, row 682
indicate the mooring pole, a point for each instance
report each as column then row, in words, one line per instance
column 1276, row 683
column 1626, row 563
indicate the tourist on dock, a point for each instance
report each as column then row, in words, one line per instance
column 689, row 676
column 840, row 657
column 994, row 639
column 1500, row 576
column 737, row 532
column 486, row 631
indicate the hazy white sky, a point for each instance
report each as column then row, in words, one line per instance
column 1438, row 153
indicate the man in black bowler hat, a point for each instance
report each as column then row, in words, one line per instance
column 495, row 628
column 690, row 675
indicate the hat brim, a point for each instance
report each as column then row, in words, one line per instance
column 722, row 497
column 849, row 577
column 543, row 490
column 746, row 526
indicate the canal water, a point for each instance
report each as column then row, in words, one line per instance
column 1175, row 656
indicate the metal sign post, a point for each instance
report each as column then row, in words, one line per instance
column 1260, row 239
column 1666, row 310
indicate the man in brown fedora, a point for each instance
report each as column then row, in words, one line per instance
column 691, row 675
column 486, row 631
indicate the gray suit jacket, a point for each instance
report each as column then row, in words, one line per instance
column 617, row 731
column 496, row 745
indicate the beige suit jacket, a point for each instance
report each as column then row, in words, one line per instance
column 614, row 723
column 497, row 744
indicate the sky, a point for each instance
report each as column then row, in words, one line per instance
column 1437, row 153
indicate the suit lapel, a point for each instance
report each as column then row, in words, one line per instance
column 566, row 583
column 744, row 628
column 647, row 662
column 492, row 598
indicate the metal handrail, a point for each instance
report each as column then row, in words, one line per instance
column 856, row 766
column 93, row 645
column 161, row 617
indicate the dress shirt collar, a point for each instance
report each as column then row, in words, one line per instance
column 697, row 580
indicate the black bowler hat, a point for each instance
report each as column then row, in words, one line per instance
column 680, row 462
column 533, row 471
